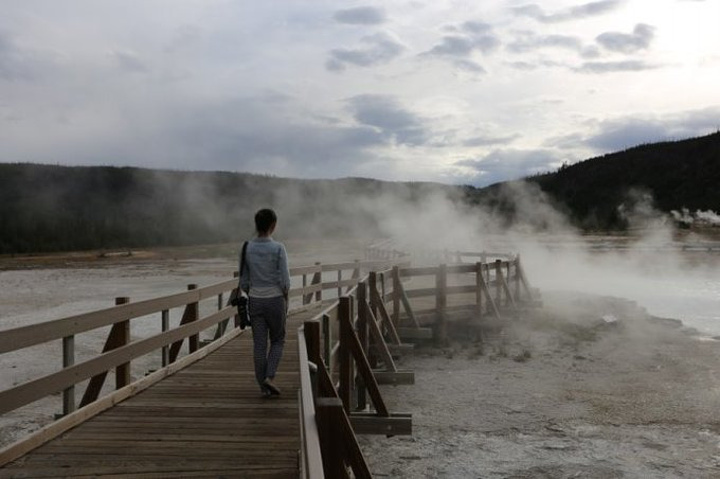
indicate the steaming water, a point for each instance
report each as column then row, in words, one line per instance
column 665, row 286
column 695, row 301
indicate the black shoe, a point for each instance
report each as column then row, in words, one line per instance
column 270, row 386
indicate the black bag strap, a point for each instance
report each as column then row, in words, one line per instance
column 242, row 257
column 242, row 265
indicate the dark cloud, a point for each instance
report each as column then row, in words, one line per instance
column 615, row 67
column 573, row 13
column 639, row 39
column 392, row 120
column 623, row 133
column 462, row 41
column 377, row 49
column 454, row 46
column 502, row 165
column 361, row 16
column 463, row 45
column 245, row 135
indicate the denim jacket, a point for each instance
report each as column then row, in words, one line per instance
column 266, row 273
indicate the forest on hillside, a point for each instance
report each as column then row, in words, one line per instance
column 57, row 208
column 621, row 190
column 671, row 176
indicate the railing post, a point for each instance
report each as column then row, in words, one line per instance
column 517, row 278
column 165, row 326
column 396, row 295
column 327, row 342
column 441, row 305
column 478, row 289
column 355, row 274
column 371, row 283
column 68, row 360
column 122, row 372
column 362, row 328
column 326, row 411
column 318, row 277
column 339, row 280
column 305, row 299
column 312, row 339
column 498, row 283
column 193, row 310
column 382, row 286
column 346, row 369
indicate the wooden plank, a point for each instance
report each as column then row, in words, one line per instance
column 460, row 268
column 415, row 333
column 28, row 392
column 418, row 271
column 378, row 338
column 301, row 270
column 25, row 445
column 375, row 296
column 26, row 336
column 420, row 292
column 310, row 454
column 394, row 425
column 363, row 365
column 394, row 378
column 460, row 289
column 346, row 366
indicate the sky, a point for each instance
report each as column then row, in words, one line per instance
column 457, row 92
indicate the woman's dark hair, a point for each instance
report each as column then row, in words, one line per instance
column 264, row 220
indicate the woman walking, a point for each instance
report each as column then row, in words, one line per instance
column 266, row 280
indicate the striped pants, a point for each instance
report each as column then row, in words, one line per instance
column 267, row 317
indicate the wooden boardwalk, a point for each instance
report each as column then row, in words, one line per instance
column 207, row 420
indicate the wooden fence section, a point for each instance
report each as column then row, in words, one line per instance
column 119, row 351
column 350, row 348
column 206, row 420
column 351, row 329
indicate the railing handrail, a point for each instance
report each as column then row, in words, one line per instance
column 22, row 337
column 310, row 454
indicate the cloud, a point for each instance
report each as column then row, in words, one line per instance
column 461, row 42
column 591, row 9
column 615, row 67
column 377, row 49
column 129, row 62
column 622, row 133
column 469, row 66
column 15, row 63
column 639, row 39
column 361, row 16
column 465, row 39
column 490, row 140
column 501, row 165
column 527, row 41
column 392, row 120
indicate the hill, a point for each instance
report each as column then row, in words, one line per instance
column 57, row 208
column 675, row 175
column 47, row 208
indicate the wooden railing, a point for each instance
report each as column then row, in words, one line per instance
column 120, row 351
column 345, row 352
column 348, row 341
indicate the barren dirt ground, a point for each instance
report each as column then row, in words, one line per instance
column 586, row 387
